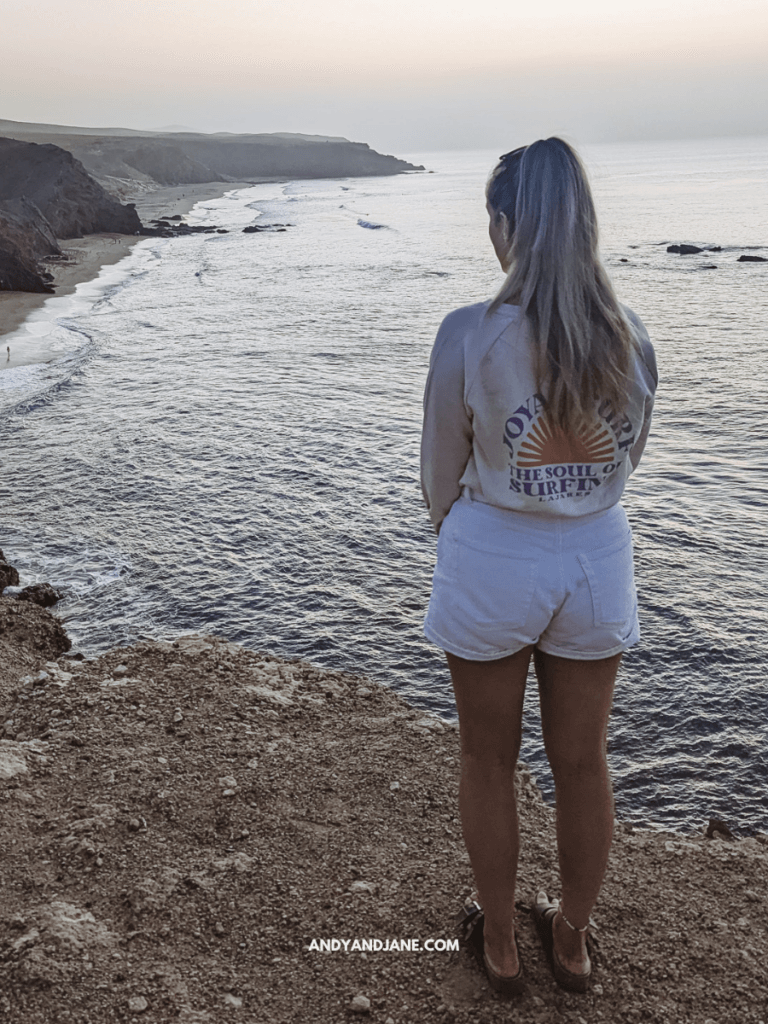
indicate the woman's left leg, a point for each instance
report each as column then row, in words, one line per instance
column 489, row 699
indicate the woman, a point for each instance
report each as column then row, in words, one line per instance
column 537, row 409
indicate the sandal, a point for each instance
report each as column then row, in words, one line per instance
column 544, row 913
column 471, row 924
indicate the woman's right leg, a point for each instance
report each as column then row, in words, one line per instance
column 489, row 699
column 575, row 701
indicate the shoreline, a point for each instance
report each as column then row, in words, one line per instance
column 87, row 256
column 193, row 818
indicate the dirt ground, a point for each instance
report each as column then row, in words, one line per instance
column 182, row 823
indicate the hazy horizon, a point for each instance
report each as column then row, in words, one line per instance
column 399, row 76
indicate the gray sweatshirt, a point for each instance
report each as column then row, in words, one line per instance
column 486, row 434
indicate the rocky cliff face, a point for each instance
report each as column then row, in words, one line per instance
column 25, row 237
column 58, row 184
column 44, row 193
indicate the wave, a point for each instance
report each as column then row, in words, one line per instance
column 25, row 388
column 52, row 340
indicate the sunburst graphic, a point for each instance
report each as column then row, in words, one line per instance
column 547, row 445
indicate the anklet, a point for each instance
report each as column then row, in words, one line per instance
column 571, row 926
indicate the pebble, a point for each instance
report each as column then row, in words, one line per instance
column 360, row 1004
column 231, row 1000
column 433, row 724
column 361, row 886
column 394, row 785
column 597, row 990
column 228, row 782
column 137, row 1004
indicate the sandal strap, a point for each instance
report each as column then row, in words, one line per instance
column 571, row 926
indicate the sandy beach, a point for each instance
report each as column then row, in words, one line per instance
column 84, row 259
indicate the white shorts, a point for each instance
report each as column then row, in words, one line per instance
column 507, row 579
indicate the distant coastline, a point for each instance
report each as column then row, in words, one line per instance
column 74, row 200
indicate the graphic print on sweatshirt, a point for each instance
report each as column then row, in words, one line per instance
column 547, row 463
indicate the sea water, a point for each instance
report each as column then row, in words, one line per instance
column 228, row 442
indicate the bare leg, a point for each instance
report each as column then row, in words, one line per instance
column 575, row 704
column 489, row 698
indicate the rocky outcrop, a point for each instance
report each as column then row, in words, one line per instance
column 42, row 594
column 25, row 237
column 684, row 250
column 69, row 199
column 17, row 276
column 9, row 576
column 23, row 225
column 28, row 635
column 164, row 229
column 46, row 193
column 752, row 259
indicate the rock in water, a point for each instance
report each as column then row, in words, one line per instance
column 684, row 250
column 9, row 577
column 718, row 830
column 752, row 259
column 40, row 593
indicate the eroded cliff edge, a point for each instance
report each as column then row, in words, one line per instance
column 46, row 194
column 181, row 819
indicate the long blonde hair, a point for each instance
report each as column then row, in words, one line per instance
column 582, row 341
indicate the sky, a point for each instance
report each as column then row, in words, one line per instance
column 406, row 76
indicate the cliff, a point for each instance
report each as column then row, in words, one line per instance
column 25, row 238
column 181, row 158
column 45, row 194
column 184, row 821
column 67, row 196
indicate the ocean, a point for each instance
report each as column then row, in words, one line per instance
column 228, row 441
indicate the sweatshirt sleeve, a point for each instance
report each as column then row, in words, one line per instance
column 446, row 440
column 650, row 375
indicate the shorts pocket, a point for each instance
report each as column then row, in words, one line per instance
column 446, row 550
column 497, row 585
column 611, row 577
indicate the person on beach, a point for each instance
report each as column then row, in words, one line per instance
column 537, row 408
